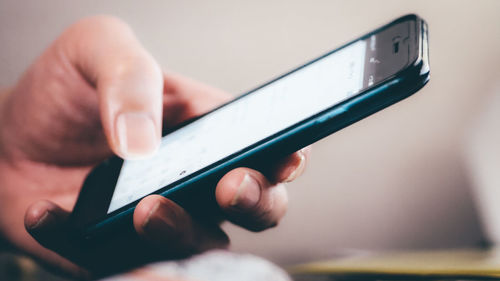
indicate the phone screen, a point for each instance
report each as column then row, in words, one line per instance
column 250, row 119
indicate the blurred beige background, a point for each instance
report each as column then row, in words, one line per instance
column 394, row 180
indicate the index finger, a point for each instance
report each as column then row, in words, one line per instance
column 185, row 98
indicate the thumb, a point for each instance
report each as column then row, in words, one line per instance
column 128, row 81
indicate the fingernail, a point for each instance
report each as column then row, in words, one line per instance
column 158, row 223
column 299, row 168
column 247, row 194
column 41, row 221
column 136, row 133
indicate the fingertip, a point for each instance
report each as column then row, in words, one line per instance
column 228, row 186
column 293, row 166
column 249, row 200
column 167, row 226
column 43, row 215
column 158, row 218
column 279, row 200
column 240, row 189
column 272, row 208
column 145, row 209
column 307, row 151
column 34, row 214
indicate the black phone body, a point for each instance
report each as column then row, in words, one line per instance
column 279, row 117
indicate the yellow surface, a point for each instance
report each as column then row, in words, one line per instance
column 465, row 262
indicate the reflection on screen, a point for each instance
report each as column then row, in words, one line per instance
column 240, row 124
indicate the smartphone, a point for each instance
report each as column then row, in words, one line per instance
column 267, row 123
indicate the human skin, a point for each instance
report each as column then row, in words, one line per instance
column 93, row 93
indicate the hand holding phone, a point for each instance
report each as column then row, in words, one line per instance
column 60, row 121
column 273, row 120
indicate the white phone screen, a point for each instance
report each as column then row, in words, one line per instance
column 238, row 125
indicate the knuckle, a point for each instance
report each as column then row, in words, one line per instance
column 133, row 63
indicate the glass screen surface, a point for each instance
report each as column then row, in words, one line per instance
column 238, row 125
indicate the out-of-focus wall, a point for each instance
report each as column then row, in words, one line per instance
column 394, row 180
